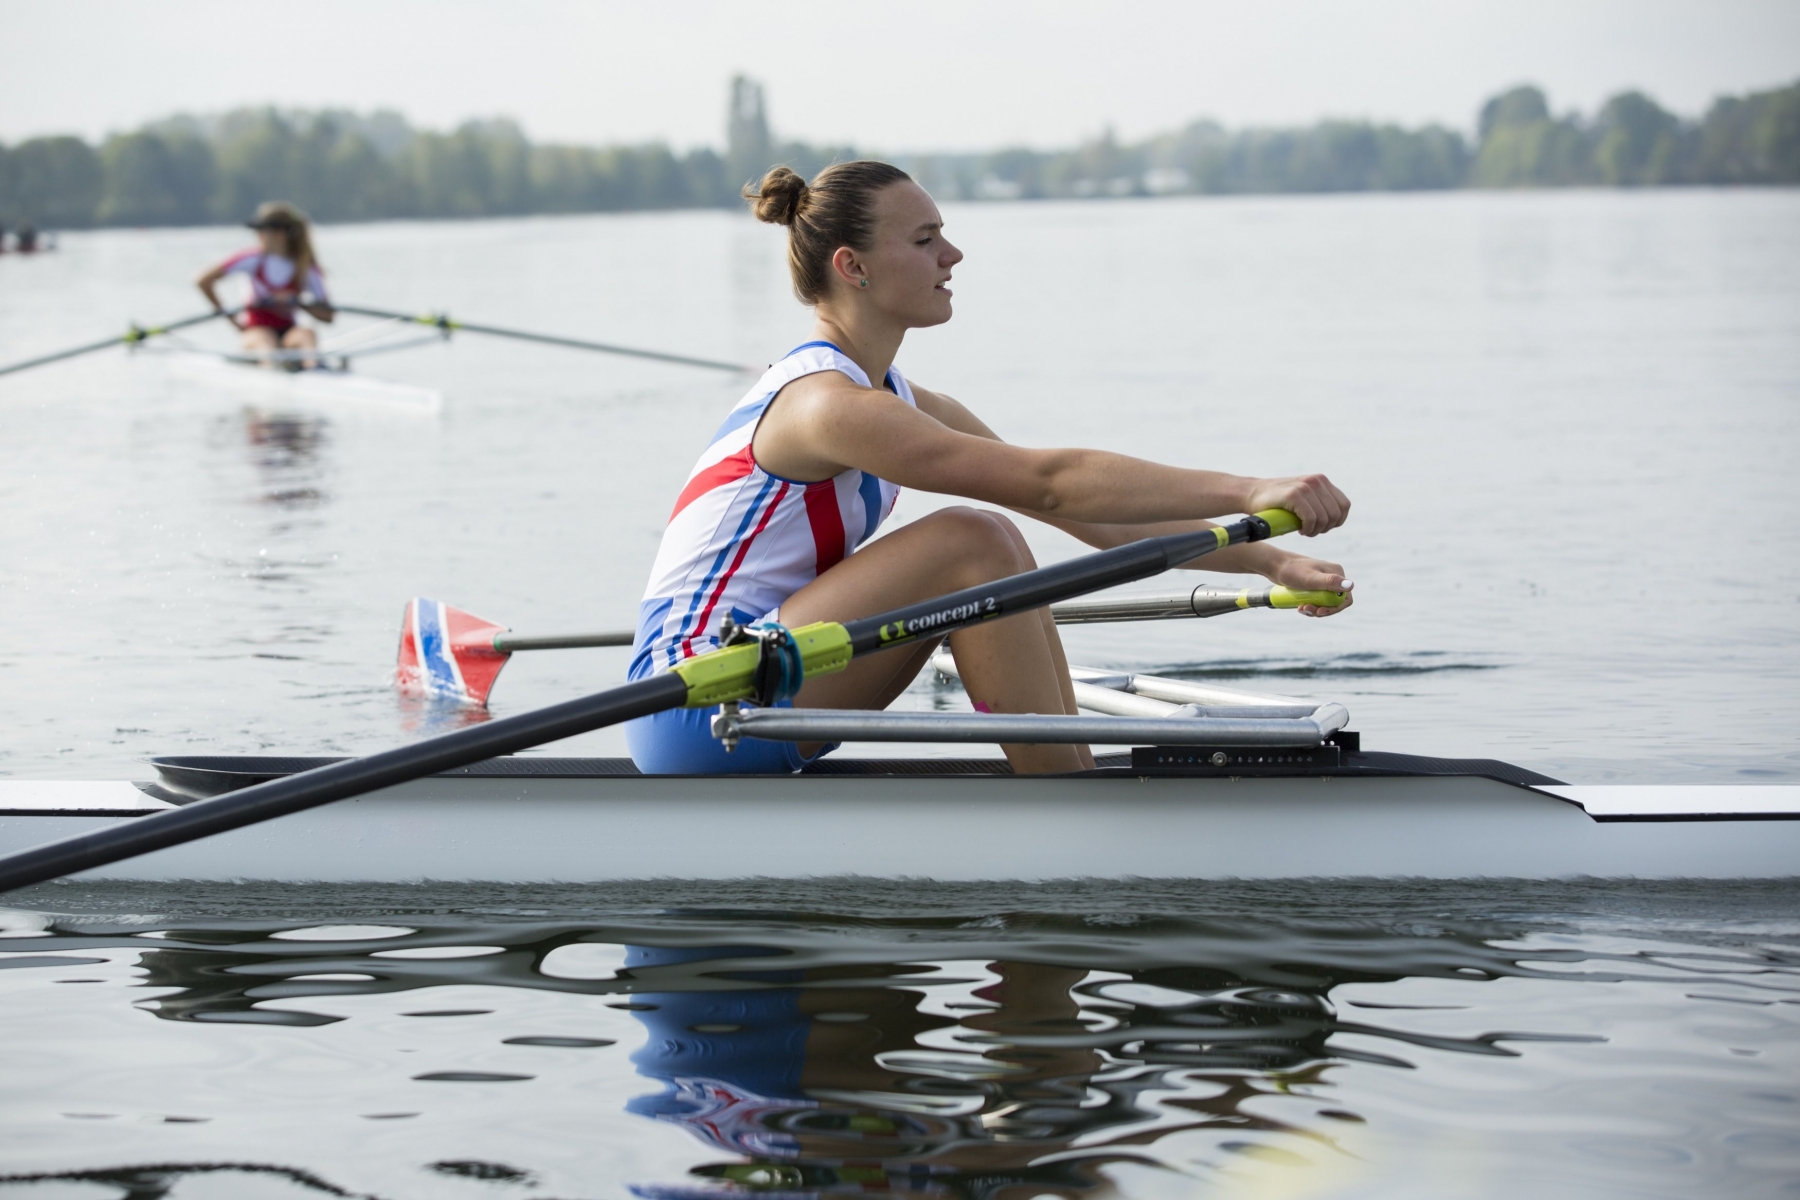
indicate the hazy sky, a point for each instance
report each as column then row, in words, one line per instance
column 949, row 74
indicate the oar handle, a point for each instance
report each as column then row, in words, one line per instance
column 1281, row 597
column 1279, row 520
column 1213, row 602
column 1202, row 601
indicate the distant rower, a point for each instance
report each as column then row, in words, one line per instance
column 285, row 278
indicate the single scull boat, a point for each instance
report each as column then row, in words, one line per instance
column 1238, row 785
column 1229, row 784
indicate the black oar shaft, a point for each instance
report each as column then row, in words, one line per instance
column 1046, row 585
column 339, row 781
column 545, row 339
column 130, row 337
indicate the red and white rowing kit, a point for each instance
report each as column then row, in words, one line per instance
column 273, row 292
column 741, row 540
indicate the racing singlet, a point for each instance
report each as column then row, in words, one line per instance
column 274, row 292
column 741, row 540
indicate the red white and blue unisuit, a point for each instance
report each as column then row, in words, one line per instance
column 274, row 294
column 740, row 542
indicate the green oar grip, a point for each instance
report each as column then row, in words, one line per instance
column 1279, row 521
column 1280, row 597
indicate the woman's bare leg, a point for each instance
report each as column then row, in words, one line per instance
column 260, row 339
column 1012, row 665
column 301, row 338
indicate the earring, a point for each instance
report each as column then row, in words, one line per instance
column 865, row 283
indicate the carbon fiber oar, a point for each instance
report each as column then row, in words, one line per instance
column 729, row 673
column 456, row 655
column 443, row 322
column 130, row 337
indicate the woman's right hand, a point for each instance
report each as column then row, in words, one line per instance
column 1313, row 498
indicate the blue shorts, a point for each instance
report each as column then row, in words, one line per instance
column 680, row 742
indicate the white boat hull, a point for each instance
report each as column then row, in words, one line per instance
column 302, row 387
column 954, row 827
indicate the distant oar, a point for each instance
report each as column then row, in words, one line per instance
column 442, row 321
column 769, row 666
column 457, row 655
column 130, row 337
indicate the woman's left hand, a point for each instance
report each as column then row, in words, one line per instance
column 1311, row 574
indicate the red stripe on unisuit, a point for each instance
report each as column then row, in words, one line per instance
column 726, row 470
column 687, row 643
column 827, row 525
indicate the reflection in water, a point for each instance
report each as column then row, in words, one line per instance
column 287, row 450
column 999, row 1057
column 283, row 441
column 426, row 715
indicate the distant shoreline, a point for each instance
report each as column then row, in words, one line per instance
column 1469, row 192
column 346, row 167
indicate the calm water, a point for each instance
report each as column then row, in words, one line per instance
column 1567, row 421
column 1169, row 1040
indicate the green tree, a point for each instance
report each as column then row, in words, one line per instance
column 1521, row 145
column 256, row 157
column 152, row 180
column 57, row 183
column 1635, row 142
column 1750, row 139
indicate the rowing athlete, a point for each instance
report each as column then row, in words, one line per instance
column 285, row 279
column 776, row 518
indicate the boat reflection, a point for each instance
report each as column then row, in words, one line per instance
column 286, row 449
column 958, row 1078
column 943, row 1064
column 821, row 1089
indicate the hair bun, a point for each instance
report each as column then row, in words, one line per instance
column 779, row 196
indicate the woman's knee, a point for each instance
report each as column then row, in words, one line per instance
column 986, row 544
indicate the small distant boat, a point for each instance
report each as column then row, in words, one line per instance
column 327, row 383
column 324, row 373
column 307, row 376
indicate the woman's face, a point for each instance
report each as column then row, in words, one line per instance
column 274, row 240
column 908, row 267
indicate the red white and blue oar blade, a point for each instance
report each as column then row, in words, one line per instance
column 447, row 653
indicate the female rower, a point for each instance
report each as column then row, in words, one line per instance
column 809, row 463
column 284, row 278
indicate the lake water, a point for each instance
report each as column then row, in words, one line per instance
column 1568, row 422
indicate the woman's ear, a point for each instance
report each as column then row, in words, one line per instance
column 847, row 267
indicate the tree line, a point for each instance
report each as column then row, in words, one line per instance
column 344, row 166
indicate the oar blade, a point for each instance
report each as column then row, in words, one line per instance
column 446, row 653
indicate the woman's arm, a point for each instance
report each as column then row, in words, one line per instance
column 823, row 424
column 1292, row 570
column 207, row 283
column 319, row 308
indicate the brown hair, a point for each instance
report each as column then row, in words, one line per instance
column 279, row 214
column 836, row 209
